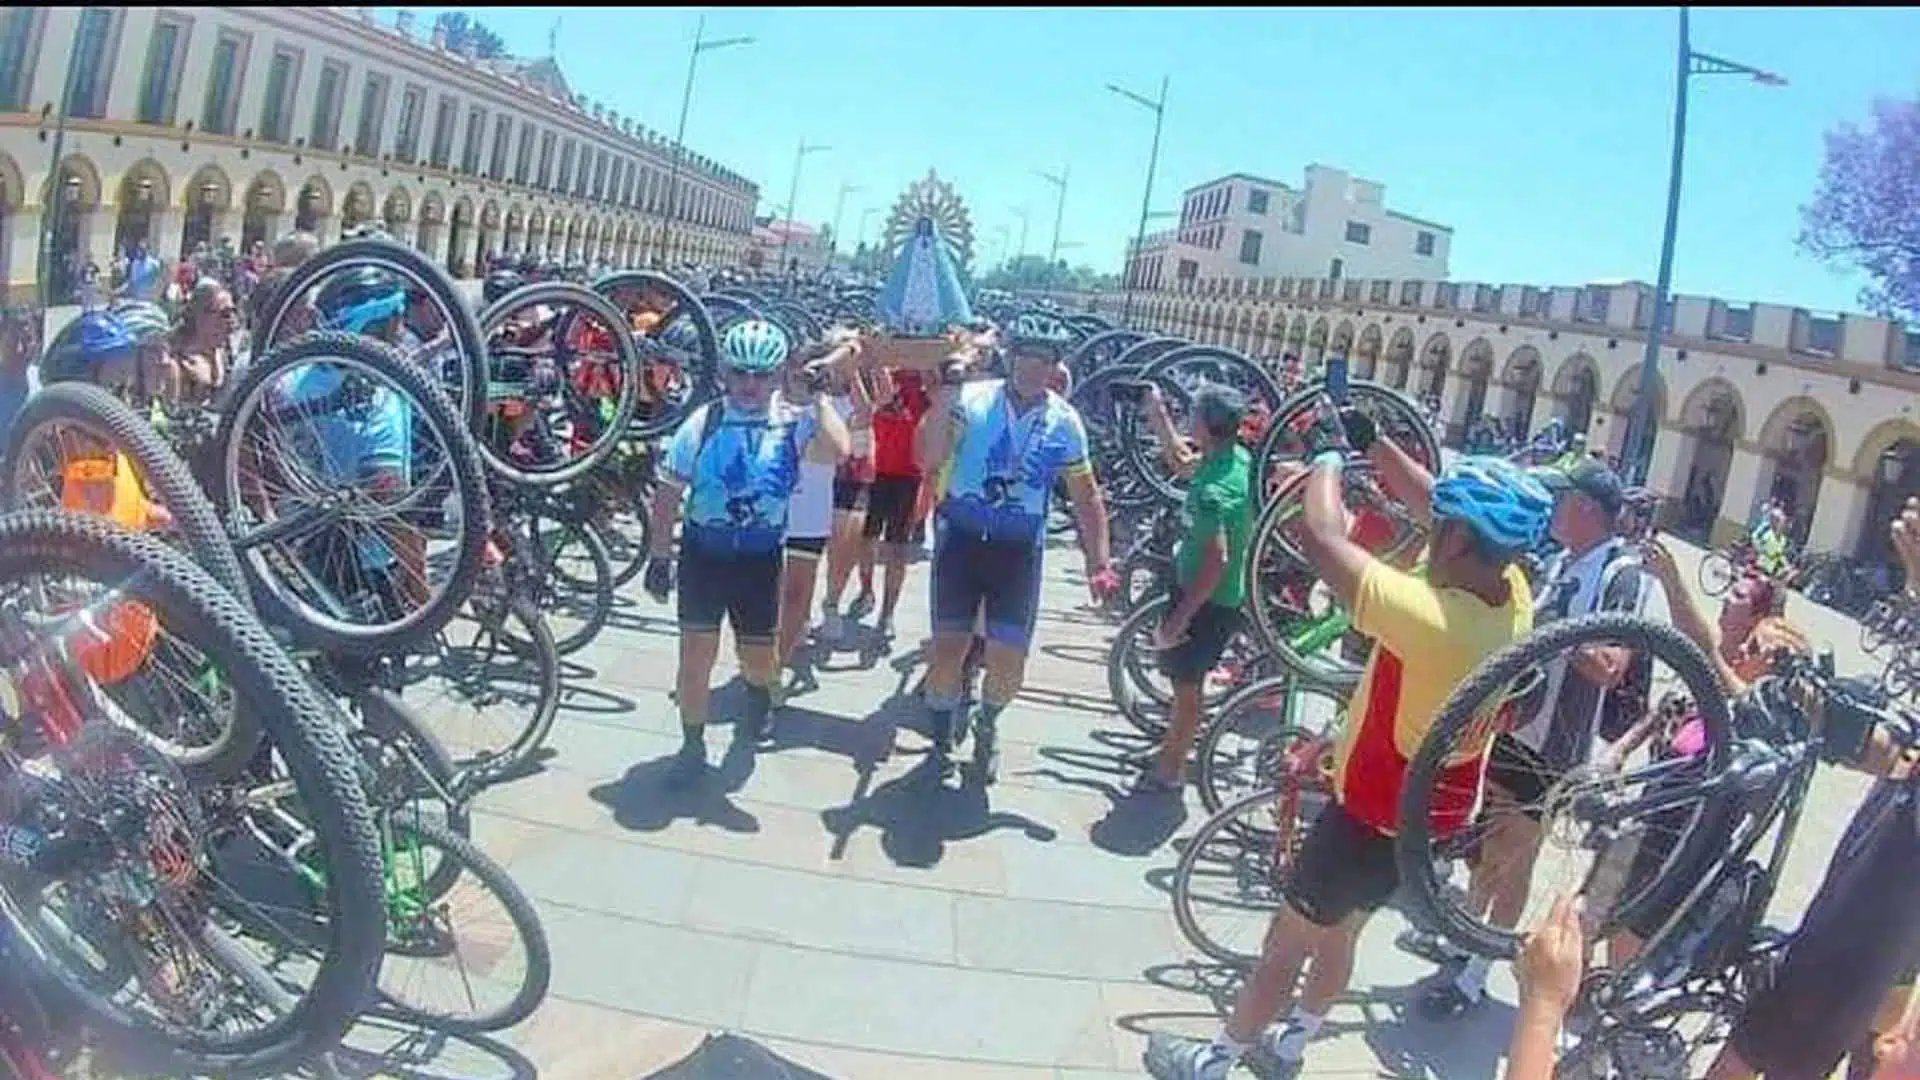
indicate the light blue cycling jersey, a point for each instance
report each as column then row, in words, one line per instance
column 738, row 484
column 1004, row 467
column 350, row 440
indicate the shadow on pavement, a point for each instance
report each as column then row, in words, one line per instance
column 1092, row 655
column 1137, row 822
column 727, row 1056
column 582, row 697
column 382, row 1046
column 918, row 816
column 1469, row 1047
column 644, row 800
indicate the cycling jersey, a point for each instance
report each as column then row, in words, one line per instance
column 894, row 425
column 740, row 476
column 1004, row 466
column 127, row 631
column 1769, row 550
column 347, row 439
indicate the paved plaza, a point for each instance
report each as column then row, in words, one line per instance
column 818, row 900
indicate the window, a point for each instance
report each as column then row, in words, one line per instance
column 444, row 118
column 502, row 129
column 1250, row 247
column 223, row 100
column 523, row 159
column 93, row 68
column 413, row 104
column 16, row 57
column 600, row 165
column 546, row 161
column 162, row 85
column 1257, row 202
column 276, row 117
column 327, row 100
column 1423, row 243
column 566, row 166
column 1188, row 270
column 476, row 136
column 1359, row 232
column 373, row 117
column 1338, row 267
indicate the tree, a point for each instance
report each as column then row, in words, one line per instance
column 1865, row 212
column 468, row 34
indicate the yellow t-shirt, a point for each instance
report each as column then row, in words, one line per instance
column 1426, row 640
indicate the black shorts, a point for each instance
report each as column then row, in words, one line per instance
column 1860, row 934
column 890, row 504
column 745, row 589
column 970, row 573
column 1344, row 866
column 1522, row 773
column 848, row 494
column 1213, row 626
column 807, row 545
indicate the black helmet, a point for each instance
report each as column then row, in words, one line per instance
column 500, row 283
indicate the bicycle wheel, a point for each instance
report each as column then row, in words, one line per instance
column 1240, row 751
column 350, row 553
column 572, row 390
column 1592, row 816
column 66, row 422
column 492, row 693
column 135, row 935
column 454, row 933
column 1677, row 1038
column 1716, row 573
column 677, row 343
column 1290, row 434
column 1180, row 374
column 460, row 371
column 1873, row 626
column 1229, row 880
column 573, row 577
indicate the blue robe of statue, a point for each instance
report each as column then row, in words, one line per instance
column 923, row 296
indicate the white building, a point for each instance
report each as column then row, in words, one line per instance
column 192, row 124
column 790, row 247
column 1243, row 226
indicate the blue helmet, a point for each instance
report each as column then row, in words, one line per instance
column 754, row 345
column 100, row 334
column 360, row 298
column 1507, row 508
column 145, row 322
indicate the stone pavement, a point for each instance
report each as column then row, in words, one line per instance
column 816, row 900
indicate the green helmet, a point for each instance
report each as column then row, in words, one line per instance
column 754, row 345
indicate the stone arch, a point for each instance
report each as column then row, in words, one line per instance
column 208, row 192
column 1577, row 384
column 1262, row 332
column 1796, row 444
column 1520, row 378
column 1715, row 407
column 1888, row 464
column 1624, row 400
column 1436, row 359
column 430, row 220
column 1317, row 337
column 263, row 203
column 80, row 175
column 1476, row 372
column 397, row 209
column 1711, row 421
column 1297, row 333
column 460, row 232
column 1341, row 343
column 144, row 192
column 1400, row 358
column 356, row 209
column 1366, row 352
column 314, row 204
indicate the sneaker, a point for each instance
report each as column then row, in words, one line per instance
column 689, row 764
column 1152, row 783
column 1285, row 1045
column 884, row 628
column 1176, row 1057
column 860, row 606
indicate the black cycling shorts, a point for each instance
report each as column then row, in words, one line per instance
column 890, row 505
column 1522, row 773
column 848, row 494
column 1860, row 934
column 742, row 588
column 970, row 574
column 1213, row 626
column 1344, row 866
column 806, row 545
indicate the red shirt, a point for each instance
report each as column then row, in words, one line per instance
column 894, row 424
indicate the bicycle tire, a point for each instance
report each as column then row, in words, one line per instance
column 1224, row 826
column 1122, row 687
column 557, row 294
column 598, row 593
column 704, row 376
column 536, row 649
column 390, row 719
column 1433, row 903
column 408, row 265
column 1173, row 489
column 312, row 749
column 464, row 858
column 430, row 407
column 1395, row 414
column 1716, row 573
column 166, row 476
column 1210, row 762
column 1598, row 1057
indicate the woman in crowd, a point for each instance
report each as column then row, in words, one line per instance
column 203, row 346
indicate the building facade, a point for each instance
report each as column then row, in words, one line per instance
column 1753, row 401
column 187, row 125
column 1336, row 226
column 790, row 247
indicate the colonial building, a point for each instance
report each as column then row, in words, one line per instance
column 789, row 247
column 1753, row 400
column 190, row 124
column 1337, row 226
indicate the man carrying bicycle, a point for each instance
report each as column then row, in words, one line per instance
column 1771, row 543
column 1430, row 631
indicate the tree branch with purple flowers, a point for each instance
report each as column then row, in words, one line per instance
column 1865, row 212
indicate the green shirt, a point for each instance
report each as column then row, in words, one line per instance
column 1219, row 503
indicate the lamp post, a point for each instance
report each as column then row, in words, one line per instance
column 793, row 196
column 1059, row 207
column 1159, row 107
column 839, row 207
column 1645, row 425
column 701, row 44
column 1021, row 213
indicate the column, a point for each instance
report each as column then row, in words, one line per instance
column 1840, row 514
column 1747, row 478
column 1453, row 403
column 326, row 229
column 1672, row 453
column 274, row 225
column 401, row 231
column 56, row 53
column 23, row 250
column 123, row 93
column 100, row 222
column 464, row 251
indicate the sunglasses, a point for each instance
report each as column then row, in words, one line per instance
column 758, row 376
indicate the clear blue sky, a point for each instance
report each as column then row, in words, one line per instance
column 1540, row 136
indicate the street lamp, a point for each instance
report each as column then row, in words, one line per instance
column 839, row 207
column 1059, row 206
column 793, row 194
column 1159, row 108
column 1646, row 427
column 1021, row 213
column 701, row 43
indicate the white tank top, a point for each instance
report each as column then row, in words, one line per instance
column 810, row 507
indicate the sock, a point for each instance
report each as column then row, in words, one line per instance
column 940, row 719
column 990, row 713
column 1289, row 1043
column 692, row 733
column 759, row 703
column 1472, row 980
column 1226, row 1045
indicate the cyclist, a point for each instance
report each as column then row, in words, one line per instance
column 1771, row 543
column 810, row 510
column 1204, row 610
column 852, row 493
column 895, row 495
column 95, row 476
column 156, row 378
column 203, row 345
column 1009, row 440
column 736, row 461
column 1430, row 631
